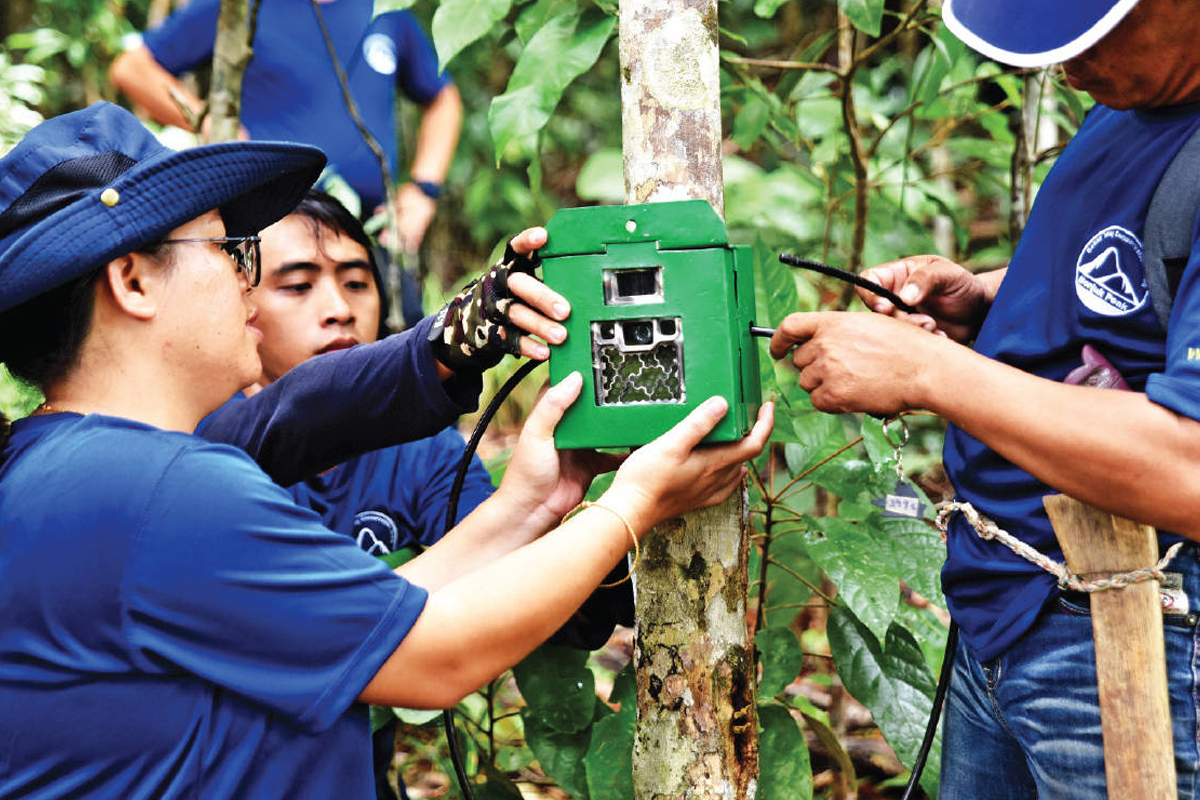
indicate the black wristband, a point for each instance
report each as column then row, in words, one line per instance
column 430, row 189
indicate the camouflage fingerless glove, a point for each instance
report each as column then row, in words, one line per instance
column 473, row 331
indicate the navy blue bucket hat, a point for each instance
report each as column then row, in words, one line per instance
column 83, row 188
column 1033, row 33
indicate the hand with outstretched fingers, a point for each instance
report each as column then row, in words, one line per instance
column 540, row 481
column 501, row 312
column 851, row 361
column 953, row 300
column 675, row 473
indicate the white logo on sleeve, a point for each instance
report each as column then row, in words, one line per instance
column 1108, row 274
column 380, row 52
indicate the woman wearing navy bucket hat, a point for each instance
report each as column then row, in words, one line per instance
column 1026, row 370
column 171, row 624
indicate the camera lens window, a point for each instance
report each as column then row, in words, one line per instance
column 639, row 332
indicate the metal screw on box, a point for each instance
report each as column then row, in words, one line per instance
column 662, row 307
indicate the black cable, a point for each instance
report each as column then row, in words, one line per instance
column 473, row 444
column 935, row 714
column 460, row 769
column 849, row 277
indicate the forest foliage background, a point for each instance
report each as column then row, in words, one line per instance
column 856, row 132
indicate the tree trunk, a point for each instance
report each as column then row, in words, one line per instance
column 15, row 16
column 697, row 733
column 1036, row 133
column 231, row 54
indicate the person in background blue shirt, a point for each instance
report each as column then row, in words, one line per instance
column 203, row 635
column 290, row 91
column 1022, row 717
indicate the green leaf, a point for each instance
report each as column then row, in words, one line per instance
column 609, row 759
column 562, row 49
column 384, row 6
column 558, row 687
column 767, row 8
column 624, row 691
column 380, row 716
column 833, row 746
column 602, row 177
column 881, row 452
column 750, row 122
column 458, row 23
column 917, row 554
column 866, row 15
column 560, row 754
column 417, row 716
column 775, row 293
column 781, row 658
column 498, row 787
column 784, row 771
column 537, row 14
column 892, row 681
column 854, row 559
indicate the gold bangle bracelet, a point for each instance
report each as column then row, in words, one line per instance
column 586, row 504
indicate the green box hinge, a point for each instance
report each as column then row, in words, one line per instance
column 661, row 309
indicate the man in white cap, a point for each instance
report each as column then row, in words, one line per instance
column 1022, row 718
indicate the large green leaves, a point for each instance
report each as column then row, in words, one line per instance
column 458, row 23
column 609, row 760
column 384, row 6
column 558, row 688
column 561, row 755
column 578, row 740
column 781, row 659
column 858, row 560
column 566, row 46
column 784, row 771
column 892, row 680
column 866, row 15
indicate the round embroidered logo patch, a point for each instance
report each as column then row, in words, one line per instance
column 380, row 53
column 1108, row 275
column 376, row 532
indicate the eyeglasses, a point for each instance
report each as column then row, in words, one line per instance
column 242, row 249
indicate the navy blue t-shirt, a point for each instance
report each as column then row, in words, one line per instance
column 290, row 91
column 335, row 406
column 395, row 497
column 173, row 614
column 1076, row 278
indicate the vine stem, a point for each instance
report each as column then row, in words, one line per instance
column 819, row 464
column 815, row 589
column 491, row 710
column 815, row 66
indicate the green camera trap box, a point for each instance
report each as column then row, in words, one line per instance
column 661, row 309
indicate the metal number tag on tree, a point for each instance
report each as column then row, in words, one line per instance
column 902, row 500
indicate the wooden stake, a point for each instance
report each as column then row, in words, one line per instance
column 1131, row 671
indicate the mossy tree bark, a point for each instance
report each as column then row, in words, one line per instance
column 697, row 732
